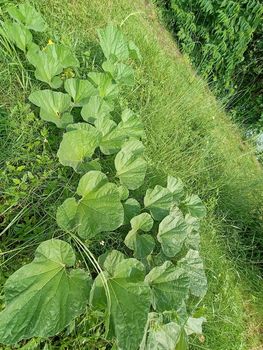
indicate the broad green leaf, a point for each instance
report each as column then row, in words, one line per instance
column 114, row 136
column 106, row 88
column 170, row 286
column 131, row 208
column 120, row 72
column 130, row 300
column 100, row 208
column 162, row 336
column 192, row 264
column 172, row 233
column 195, row 206
column 80, row 90
column 176, row 186
column 27, row 15
column 142, row 222
column 78, row 146
column 95, row 109
column 131, row 125
column 53, row 106
column 159, row 201
column 66, row 214
column 18, row 34
column 194, row 325
column 124, row 192
column 110, row 260
column 43, row 297
column 130, row 269
column 112, row 139
column 113, row 43
column 130, row 165
column 142, row 244
column 47, row 65
column 50, row 62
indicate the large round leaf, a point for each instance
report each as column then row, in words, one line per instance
column 172, row 233
column 43, row 297
column 113, row 43
column 170, row 286
column 130, row 300
column 131, row 165
column 78, row 145
column 100, row 207
column 159, row 201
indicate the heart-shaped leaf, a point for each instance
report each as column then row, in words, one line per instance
column 78, row 145
column 113, row 43
column 100, row 207
column 172, row 233
column 170, row 286
column 131, row 165
column 130, row 299
column 195, row 206
column 95, row 109
column 159, row 201
column 43, row 297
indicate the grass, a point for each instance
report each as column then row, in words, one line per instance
column 188, row 135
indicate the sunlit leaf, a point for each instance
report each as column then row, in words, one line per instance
column 159, row 201
column 193, row 266
column 170, row 286
column 172, row 233
column 80, row 90
column 53, row 106
column 18, row 34
column 131, row 165
column 27, row 15
column 44, row 296
column 78, row 145
column 100, row 207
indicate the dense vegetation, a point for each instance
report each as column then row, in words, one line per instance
column 186, row 135
column 223, row 40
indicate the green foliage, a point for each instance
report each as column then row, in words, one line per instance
column 125, row 289
column 43, row 297
column 217, row 36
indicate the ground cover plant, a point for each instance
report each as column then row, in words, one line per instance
column 161, row 228
column 186, row 135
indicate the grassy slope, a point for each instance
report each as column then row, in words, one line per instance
column 188, row 136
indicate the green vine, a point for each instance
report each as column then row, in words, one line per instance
column 149, row 291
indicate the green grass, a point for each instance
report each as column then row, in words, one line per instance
column 188, row 135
